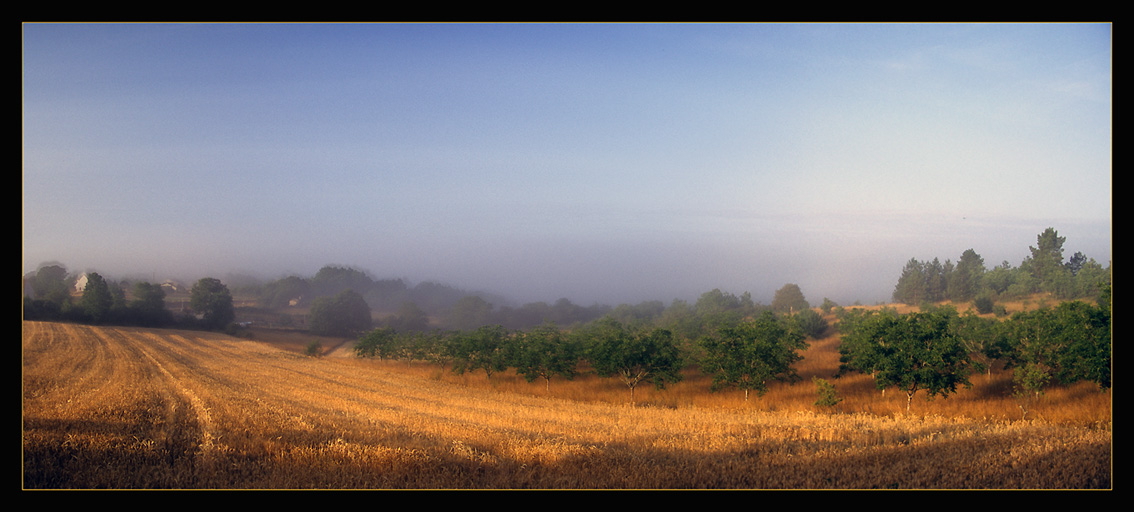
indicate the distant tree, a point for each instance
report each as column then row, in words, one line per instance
column 635, row 355
column 1075, row 262
column 936, row 276
column 964, row 281
column 342, row 315
column 408, row 318
column 1090, row 279
column 470, row 312
column 332, row 280
column 999, row 279
column 789, row 299
column 911, row 287
column 211, row 298
column 97, row 299
column 828, row 305
column 1046, row 258
column 753, row 353
column 716, row 301
column 51, row 282
column 148, row 305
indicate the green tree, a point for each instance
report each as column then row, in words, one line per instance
column 789, row 299
column 97, row 299
column 484, row 348
column 980, row 337
column 913, row 352
column 635, row 355
column 381, row 343
column 544, row 352
column 1069, row 343
column 342, row 315
column 863, row 341
column 753, row 353
column 211, row 298
column 924, row 354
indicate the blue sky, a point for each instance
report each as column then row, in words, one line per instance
column 603, row 163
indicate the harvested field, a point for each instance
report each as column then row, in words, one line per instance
column 118, row 407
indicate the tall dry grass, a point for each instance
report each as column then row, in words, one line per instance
column 135, row 408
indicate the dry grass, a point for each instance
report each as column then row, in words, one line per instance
column 136, row 408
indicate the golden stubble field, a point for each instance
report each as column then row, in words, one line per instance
column 117, row 407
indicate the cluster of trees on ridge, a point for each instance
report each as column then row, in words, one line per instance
column 103, row 301
column 1043, row 270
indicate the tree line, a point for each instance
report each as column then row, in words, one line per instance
column 1042, row 271
column 748, row 355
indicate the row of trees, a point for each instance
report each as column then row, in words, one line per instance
column 103, row 301
column 1043, row 270
column 937, row 350
column 748, row 355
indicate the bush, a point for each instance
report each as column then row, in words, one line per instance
column 983, row 304
column 811, row 323
column 314, row 349
column 828, row 397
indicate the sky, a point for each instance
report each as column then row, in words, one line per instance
column 603, row 163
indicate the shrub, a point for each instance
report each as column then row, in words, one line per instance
column 314, row 349
column 828, row 397
column 983, row 304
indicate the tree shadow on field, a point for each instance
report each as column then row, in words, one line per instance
column 91, row 454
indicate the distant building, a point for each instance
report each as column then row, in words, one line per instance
column 81, row 283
